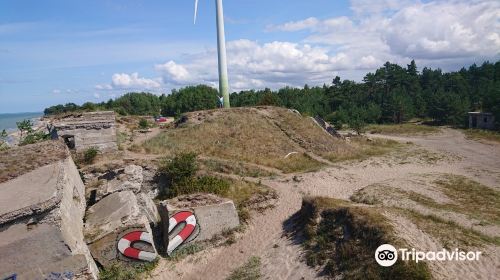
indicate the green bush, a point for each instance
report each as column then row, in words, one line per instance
column 34, row 137
column 179, row 169
column 90, row 154
column 204, row 184
column 143, row 124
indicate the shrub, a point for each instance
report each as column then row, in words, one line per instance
column 179, row 169
column 143, row 124
column 204, row 184
column 133, row 272
column 90, row 154
column 34, row 137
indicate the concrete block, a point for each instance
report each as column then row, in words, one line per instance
column 213, row 214
column 110, row 220
column 41, row 224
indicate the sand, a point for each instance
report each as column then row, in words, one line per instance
column 282, row 258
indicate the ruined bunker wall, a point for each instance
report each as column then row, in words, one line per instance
column 47, row 231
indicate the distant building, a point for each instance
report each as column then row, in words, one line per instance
column 481, row 120
column 81, row 131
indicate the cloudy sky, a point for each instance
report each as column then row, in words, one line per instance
column 58, row 51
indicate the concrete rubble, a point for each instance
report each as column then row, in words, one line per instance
column 109, row 220
column 41, row 224
column 214, row 214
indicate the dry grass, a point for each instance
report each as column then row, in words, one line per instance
column 257, row 135
column 233, row 167
column 478, row 134
column 263, row 136
column 361, row 148
column 20, row 160
column 402, row 129
column 467, row 197
column 341, row 238
column 249, row 271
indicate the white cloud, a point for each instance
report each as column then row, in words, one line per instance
column 56, row 91
column 97, row 96
column 295, row 25
column 133, row 81
column 431, row 33
column 173, row 71
column 444, row 34
column 103, row 87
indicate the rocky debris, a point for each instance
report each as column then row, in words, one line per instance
column 129, row 178
column 326, row 126
column 112, row 218
column 41, row 224
column 214, row 215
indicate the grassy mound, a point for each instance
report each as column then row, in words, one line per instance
column 260, row 135
column 20, row 160
column 343, row 238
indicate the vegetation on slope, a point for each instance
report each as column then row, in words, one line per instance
column 342, row 238
column 17, row 161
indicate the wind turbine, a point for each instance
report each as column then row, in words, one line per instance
column 221, row 48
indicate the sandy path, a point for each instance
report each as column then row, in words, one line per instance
column 281, row 258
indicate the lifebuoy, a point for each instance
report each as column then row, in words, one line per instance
column 181, row 217
column 125, row 246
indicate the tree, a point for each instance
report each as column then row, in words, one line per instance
column 25, row 127
column 3, row 140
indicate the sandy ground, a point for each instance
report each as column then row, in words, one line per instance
column 281, row 258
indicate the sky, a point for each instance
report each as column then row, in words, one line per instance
column 59, row 51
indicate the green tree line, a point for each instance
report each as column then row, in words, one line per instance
column 391, row 94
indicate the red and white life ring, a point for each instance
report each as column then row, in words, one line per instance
column 125, row 246
column 181, row 217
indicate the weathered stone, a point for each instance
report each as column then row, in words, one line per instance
column 109, row 220
column 214, row 215
column 41, row 224
column 148, row 207
column 130, row 178
column 84, row 130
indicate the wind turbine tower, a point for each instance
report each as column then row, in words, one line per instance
column 221, row 48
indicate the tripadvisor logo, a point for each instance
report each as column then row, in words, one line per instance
column 386, row 255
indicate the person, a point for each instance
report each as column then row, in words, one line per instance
column 221, row 102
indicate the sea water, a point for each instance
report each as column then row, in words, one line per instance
column 8, row 121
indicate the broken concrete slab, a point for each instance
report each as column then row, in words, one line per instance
column 123, row 179
column 81, row 131
column 213, row 214
column 110, row 220
column 41, row 223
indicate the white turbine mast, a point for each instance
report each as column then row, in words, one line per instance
column 221, row 48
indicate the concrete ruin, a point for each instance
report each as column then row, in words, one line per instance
column 110, row 220
column 213, row 216
column 481, row 120
column 41, row 221
column 81, row 131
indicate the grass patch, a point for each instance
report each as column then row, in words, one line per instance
column 299, row 163
column 249, row 271
column 402, row 129
column 263, row 136
column 186, row 250
column 362, row 148
column 449, row 233
column 232, row 167
column 479, row 134
column 342, row 239
column 119, row 271
column 17, row 161
column 467, row 197
column 471, row 198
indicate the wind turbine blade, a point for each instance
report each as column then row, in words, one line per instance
column 195, row 10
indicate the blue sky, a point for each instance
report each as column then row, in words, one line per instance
column 58, row 51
